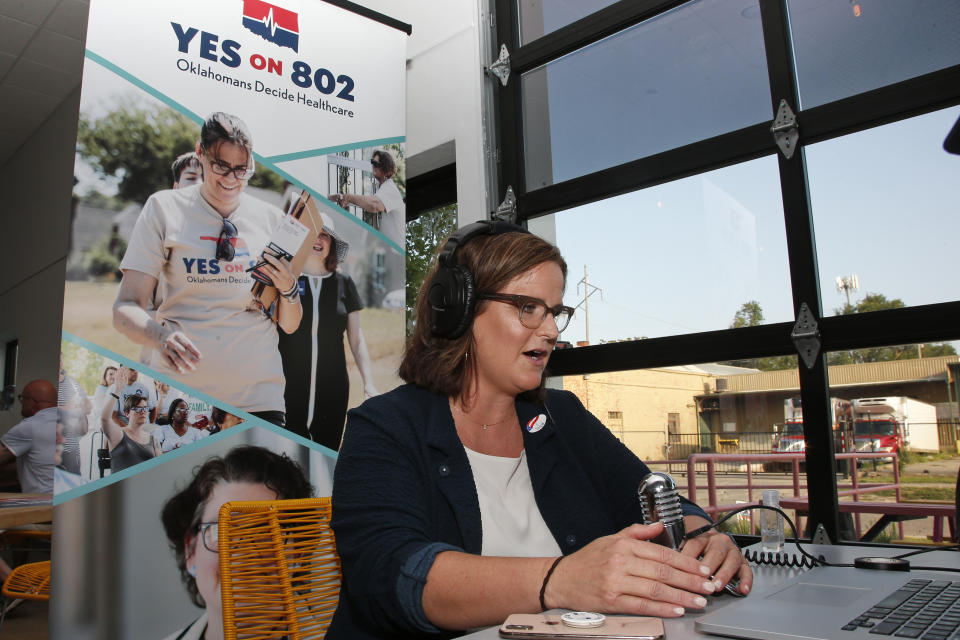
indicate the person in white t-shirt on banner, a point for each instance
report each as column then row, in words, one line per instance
column 198, row 243
column 177, row 432
column 385, row 209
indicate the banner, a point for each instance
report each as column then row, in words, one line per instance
column 202, row 126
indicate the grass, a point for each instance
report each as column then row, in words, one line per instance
column 925, row 478
column 910, row 494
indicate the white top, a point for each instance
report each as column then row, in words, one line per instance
column 168, row 440
column 510, row 520
column 32, row 441
column 175, row 241
column 393, row 223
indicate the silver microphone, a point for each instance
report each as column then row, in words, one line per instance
column 660, row 502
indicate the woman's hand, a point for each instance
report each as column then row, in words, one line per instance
column 624, row 573
column 279, row 272
column 369, row 390
column 121, row 379
column 724, row 558
column 178, row 351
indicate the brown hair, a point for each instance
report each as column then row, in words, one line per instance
column 182, row 513
column 441, row 364
column 386, row 162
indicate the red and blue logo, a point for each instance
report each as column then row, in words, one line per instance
column 273, row 23
column 239, row 245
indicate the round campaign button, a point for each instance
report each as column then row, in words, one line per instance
column 583, row 619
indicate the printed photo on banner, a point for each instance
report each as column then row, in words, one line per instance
column 113, row 416
column 188, row 164
column 162, row 523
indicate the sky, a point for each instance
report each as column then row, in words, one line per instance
column 683, row 257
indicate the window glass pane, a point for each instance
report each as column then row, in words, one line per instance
column 885, row 206
column 540, row 17
column 845, row 48
column 713, row 411
column 677, row 258
column 895, row 402
column 686, row 75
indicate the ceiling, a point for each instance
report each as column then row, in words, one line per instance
column 41, row 60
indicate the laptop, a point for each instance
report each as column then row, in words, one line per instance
column 839, row 603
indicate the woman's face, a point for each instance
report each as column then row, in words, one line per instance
column 223, row 192
column 322, row 244
column 205, row 564
column 111, row 376
column 510, row 358
column 179, row 412
column 138, row 414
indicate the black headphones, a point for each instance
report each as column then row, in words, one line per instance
column 451, row 293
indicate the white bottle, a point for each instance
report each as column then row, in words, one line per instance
column 771, row 523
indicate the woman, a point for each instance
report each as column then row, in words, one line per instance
column 313, row 356
column 102, row 393
column 133, row 443
column 221, row 419
column 457, row 496
column 197, row 243
column 190, row 521
column 177, row 432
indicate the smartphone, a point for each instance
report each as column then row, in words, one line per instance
column 548, row 626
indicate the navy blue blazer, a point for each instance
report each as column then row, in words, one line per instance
column 403, row 491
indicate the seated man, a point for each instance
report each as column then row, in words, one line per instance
column 32, row 441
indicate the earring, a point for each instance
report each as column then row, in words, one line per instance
column 192, row 570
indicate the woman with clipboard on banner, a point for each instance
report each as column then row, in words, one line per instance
column 313, row 356
column 198, row 242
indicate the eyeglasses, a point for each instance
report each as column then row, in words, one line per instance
column 375, row 163
column 179, row 410
column 221, row 168
column 139, row 409
column 23, row 397
column 210, row 535
column 532, row 311
column 225, row 248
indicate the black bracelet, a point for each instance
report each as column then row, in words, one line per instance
column 546, row 579
column 115, row 395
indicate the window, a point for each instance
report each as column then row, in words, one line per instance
column 638, row 135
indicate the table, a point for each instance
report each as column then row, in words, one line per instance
column 890, row 512
column 19, row 516
column 766, row 577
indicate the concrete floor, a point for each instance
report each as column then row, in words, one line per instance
column 27, row 622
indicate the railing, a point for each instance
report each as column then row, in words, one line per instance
column 709, row 463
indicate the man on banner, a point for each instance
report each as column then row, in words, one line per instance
column 385, row 209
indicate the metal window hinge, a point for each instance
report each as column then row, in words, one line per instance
column 501, row 68
column 507, row 211
column 820, row 536
column 806, row 336
column 785, row 131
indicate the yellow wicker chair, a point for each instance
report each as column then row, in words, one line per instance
column 29, row 581
column 279, row 569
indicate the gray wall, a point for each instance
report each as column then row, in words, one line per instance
column 35, row 200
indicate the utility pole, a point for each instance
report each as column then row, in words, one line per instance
column 588, row 290
column 847, row 284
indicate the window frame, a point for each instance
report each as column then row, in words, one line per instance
column 913, row 97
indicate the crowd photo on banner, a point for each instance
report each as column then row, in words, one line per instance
column 113, row 417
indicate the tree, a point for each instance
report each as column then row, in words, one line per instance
column 137, row 144
column 879, row 302
column 424, row 235
column 750, row 314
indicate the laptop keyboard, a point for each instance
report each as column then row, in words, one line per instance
column 925, row 609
